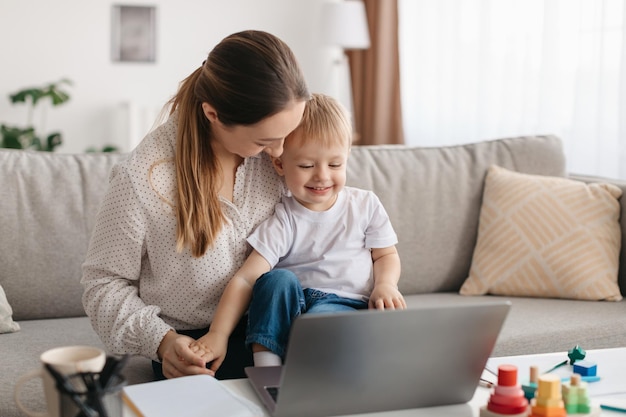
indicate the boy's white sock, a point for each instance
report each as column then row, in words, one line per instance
column 266, row 358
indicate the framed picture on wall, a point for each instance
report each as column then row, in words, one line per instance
column 133, row 30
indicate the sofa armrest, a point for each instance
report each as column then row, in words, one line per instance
column 622, row 185
column 591, row 178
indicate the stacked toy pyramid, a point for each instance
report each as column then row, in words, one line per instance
column 507, row 398
column 548, row 401
column 576, row 399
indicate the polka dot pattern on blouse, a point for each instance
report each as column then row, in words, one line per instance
column 137, row 287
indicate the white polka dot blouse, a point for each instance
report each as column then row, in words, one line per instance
column 137, row 286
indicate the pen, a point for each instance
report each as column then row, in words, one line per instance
column 557, row 366
column 94, row 392
column 112, row 369
column 491, row 371
column 484, row 383
column 613, row 408
column 64, row 385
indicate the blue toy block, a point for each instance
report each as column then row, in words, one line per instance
column 585, row 368
column 588, row 378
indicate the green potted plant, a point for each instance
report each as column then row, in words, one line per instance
column 28, row 137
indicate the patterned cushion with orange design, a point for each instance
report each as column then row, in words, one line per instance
column 542, row 236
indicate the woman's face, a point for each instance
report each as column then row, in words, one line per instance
column 267, row 135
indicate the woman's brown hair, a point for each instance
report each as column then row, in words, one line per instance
column 247, row 77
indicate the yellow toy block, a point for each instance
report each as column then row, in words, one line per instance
column 549, row 386
column 548, row 402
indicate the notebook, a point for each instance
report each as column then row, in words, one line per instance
column 188, row 396
column 368, row 361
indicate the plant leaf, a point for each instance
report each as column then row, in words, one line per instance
column 34, row 93
column 35, row 144
column 17, row 137
column 58, row 97
column 53, row 140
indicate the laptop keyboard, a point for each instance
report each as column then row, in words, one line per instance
column 273, row 392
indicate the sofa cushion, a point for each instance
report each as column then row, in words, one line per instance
column 48, row 203
column 433, row 197
column 544, row 236
column 542, row 325
column 7, row 325
column 621, row 184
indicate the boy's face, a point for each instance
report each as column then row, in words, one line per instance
column 314, row 174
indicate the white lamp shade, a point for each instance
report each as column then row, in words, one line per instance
column 344, row 24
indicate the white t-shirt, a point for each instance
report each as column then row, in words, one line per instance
column 137, row 286
column 327, row 250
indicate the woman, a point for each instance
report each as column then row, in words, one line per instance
column 172, row 227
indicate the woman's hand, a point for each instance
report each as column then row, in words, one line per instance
column 177, row 357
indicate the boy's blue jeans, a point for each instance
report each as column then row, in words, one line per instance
column 277, row 299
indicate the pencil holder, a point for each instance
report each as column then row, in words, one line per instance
column 82, row 395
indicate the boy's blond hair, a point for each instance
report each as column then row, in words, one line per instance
column 324, row 120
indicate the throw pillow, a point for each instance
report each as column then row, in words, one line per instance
column 542, row 236
column 7, row 325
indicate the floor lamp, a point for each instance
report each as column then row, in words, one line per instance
column 344, row 25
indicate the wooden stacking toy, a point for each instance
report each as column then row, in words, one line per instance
column 507, row 398
column 548, row 401
column 530, row 387
column 576, row 399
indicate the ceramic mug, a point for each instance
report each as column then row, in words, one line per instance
column 66, row 360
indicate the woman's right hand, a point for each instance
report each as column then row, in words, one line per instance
column 178, row 359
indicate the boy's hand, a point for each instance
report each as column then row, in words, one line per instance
column 178, row 359
column 212, row 348
column 386, row 297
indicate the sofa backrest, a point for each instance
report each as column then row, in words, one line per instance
column 433, row 197
column 48, row 204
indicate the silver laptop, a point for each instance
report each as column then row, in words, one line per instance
column 369, row 361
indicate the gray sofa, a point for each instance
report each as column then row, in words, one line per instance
column 48, row 203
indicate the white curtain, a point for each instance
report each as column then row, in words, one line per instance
column 475, row 70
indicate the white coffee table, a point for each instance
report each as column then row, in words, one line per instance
column 611, row 368
column 611, row 365
column 243, row 388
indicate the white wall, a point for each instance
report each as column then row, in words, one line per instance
column 44, row 41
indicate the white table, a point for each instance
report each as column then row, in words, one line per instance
column 243, row 388
column 611, row 365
